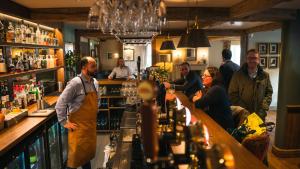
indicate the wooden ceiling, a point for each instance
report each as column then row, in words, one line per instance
column 215, row 15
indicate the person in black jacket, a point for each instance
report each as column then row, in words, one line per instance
column 215, row 101
column 227, row 68
column 190, row 82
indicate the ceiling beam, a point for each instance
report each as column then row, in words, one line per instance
column 251, row 7
column 266, row 27
column 93, row 33
column 12, row 8
column 209, row 32
column 59, row 14
column 204, row 13
column 208, row 14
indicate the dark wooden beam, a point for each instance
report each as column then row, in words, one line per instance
column 12, row 8
column 274, row 14
column 206, row 14
column 250, row 7
column 209, row 32
column 60, row 14
column 266, row 27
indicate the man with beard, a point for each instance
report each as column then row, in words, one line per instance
column 77, row 110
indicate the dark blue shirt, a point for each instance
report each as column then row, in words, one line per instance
column 227, row 70
column 189, row 84
column 216, row 104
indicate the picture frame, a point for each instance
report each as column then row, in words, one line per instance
column 262, row 48
column 274, row 48
column 263, row 62
column 165, row 57
column 273, row 62
column 191, row 55
column 109, row 55
column 128, row 54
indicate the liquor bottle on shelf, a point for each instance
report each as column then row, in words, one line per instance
column 23, row 32
column 18, row 32
column 38, row 35
column 25, row 63
column 28, row 35
column 5, row 104
column 2, row 63
column 10, row 34
column 2, row 31
column 33, row 37
column 19, row 65
column 44, row 62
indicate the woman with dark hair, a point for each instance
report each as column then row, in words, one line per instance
column 121, row 71
column 214, row 101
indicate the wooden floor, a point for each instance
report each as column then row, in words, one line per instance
column 102, row 141
column 275, row 162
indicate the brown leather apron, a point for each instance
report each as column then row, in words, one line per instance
column 82, row 141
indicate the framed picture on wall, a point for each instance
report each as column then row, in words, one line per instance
column 190, row 55
column 128, row 54
column 165, row 57
column 109, row 55
column 273, row 62
column 263, row 61
column 262, row 48
column 274, row 48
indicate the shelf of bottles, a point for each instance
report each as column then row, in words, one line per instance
column 112, row 104
column 114, row 98
column 27, row 47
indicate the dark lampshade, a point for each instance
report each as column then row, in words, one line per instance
column 167, row 45
column 197, row 38
column 183, row 42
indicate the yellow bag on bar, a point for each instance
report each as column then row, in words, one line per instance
column 254, row 122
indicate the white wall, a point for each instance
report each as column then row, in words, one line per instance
column 112, row 46
column 215, row 53
column 269, row 36
column 138, row 51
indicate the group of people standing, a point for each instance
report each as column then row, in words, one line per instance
column 247, row 86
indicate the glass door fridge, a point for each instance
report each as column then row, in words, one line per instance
column 54, row 149
column 37, row 153
column 17, row 162
column 64, row 143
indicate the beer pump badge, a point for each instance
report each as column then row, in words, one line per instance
column 145, row 91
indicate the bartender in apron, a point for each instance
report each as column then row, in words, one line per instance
column 77, row 111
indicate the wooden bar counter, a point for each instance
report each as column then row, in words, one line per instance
column 13, row 135
column 243, row 158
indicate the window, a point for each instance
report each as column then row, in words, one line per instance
column 236, row 53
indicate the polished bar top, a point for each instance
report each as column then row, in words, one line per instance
column 113, row 82
column 11, row 136
column 244, row 159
